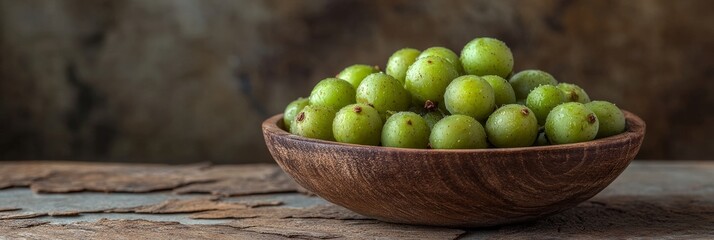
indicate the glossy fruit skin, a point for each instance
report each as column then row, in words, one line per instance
column 502, row 90
column 333, row 93
column 444, row 53
column 470, row 95
column 525, row 81
column 384, row 93
column 358, row 124
column 458, row 132
column 314, row 122
column 512, row 125
column 573, row 93
column 292, row 110
column 487, row 56
column 490, row 105
column 433, row 117
column 405, row 130
column 611, row 119
column 571, row 122
column 428, row 77
column 399, row 62
column 356, row 73
column 543, row 99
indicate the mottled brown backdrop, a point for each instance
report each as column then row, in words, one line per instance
column 191, row 80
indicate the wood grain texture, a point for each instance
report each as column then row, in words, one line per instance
column 624, row 216
column 9, row 209
column 650, row 199
column 198, row 205
column 456, row 188
column 135, row 179
column 22, row 216
column 64, row 177
column 329, row 211
column 245, row 229
column 309, row 228
column 123, row 229
column 242, row 180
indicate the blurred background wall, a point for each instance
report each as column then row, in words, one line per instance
column 191, row 80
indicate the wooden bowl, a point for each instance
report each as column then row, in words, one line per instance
column 455, row 188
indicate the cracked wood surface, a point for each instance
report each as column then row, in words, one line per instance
column 327, row 211
column 650, row 200
column 63, row 177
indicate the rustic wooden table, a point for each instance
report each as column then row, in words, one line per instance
column 72, row 200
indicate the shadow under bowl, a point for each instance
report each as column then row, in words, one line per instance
column 454, row 188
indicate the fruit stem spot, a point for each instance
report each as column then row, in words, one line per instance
column 525, row 111
column 301, row 116
column 574, row 96
column 429, row 105
column 409, row 122
column 591, row 118
column 358, row 109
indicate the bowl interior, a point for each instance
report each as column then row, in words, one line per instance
column 635, row 127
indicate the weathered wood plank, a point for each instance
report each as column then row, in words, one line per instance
column 64, row 177
column 653, row 199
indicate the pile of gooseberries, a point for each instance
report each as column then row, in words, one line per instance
column 437, row 99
